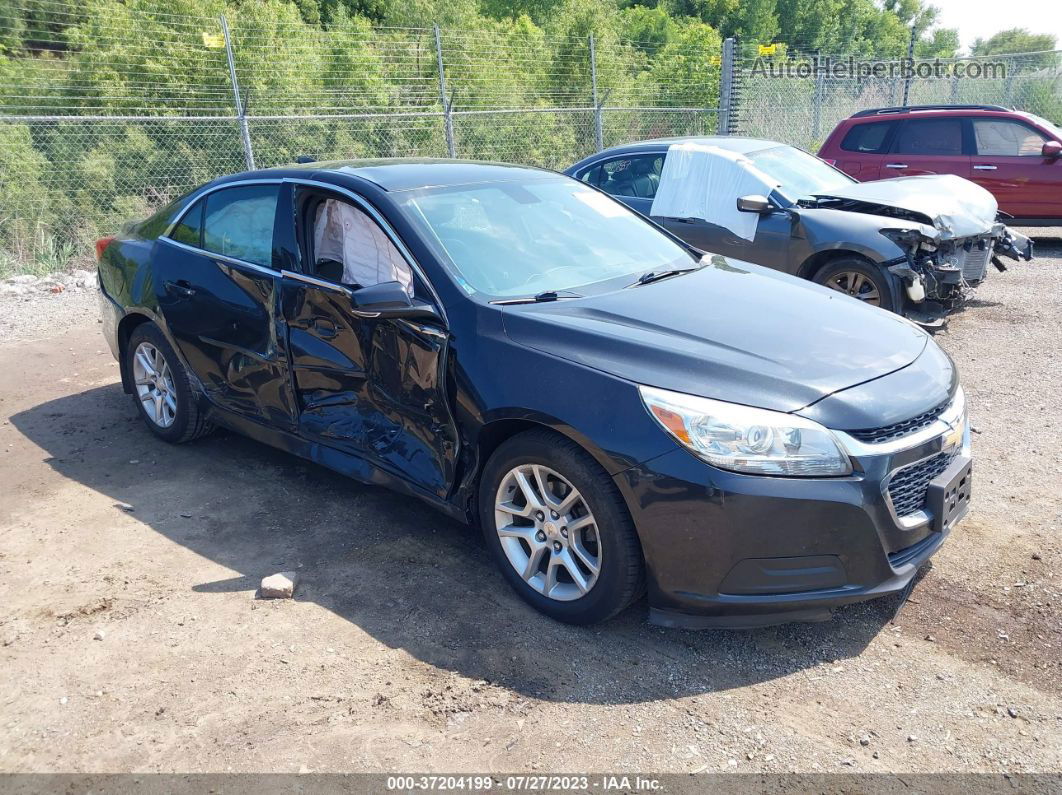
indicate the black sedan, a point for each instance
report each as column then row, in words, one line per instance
column 617, row 412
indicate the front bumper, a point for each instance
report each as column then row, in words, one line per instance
column 730, row 550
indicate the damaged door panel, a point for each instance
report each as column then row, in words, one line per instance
column 373, row 387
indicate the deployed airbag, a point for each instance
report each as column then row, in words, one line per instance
column 705, row 182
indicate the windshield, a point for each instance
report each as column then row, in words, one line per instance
column 509, row 239
column 797, row 172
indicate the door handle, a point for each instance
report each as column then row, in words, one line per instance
column 984, row 168
column 325, row 328
column 895, row 165
column 181, row 287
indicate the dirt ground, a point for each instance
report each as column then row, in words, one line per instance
column 132, row 639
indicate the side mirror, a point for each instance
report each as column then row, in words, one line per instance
column 754, row 204
column 390, row 300
column 1052, row 149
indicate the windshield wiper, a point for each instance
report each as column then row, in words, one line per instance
column 655, row 276
column 543, row 297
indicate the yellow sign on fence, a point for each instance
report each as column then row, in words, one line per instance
column 768, row 49
column 213, row 40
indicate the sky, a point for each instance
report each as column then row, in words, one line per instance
column 982, row 18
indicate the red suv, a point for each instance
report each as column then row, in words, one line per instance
column 1013, row 154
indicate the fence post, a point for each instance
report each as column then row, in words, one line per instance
column 599, row 121
column 727, row 104
column 816, row 108
column 245, row 133
column 910, row 66
column 447, row 104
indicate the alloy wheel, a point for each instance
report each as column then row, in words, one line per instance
column 547, row 532
column 857, row 285
column 154, row 385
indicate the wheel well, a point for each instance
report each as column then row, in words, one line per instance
column 125, row 330
column 816, row 261
column 492, row 436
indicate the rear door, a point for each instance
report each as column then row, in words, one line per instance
column 1008, row 162
column 372, row 387
column 218, row 294
column 632, row 179
column 927, row 146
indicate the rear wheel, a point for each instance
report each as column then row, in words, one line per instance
column 559, row 529
column 857, row 278
column 161, row 390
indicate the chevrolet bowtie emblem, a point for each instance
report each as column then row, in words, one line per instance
column 953, row 438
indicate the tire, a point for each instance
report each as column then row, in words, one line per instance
column 604, row 527
column 872, row 285
column 181, row 419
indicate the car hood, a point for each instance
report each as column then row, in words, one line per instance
column 955, row 206
column 731, row 331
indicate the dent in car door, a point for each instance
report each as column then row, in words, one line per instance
column 372, row 387
column 223, row 315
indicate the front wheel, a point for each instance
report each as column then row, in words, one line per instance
column 559, row 529
column 857, row 278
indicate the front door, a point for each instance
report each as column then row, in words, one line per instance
column 372, row 387
column 220, row 299
column 1008, row 162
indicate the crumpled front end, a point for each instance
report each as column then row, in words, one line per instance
column 952, row 231
column 940, row 271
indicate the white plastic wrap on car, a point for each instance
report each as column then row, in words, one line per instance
column 705, row 182
column 958, row 207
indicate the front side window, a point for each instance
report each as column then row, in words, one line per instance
column 939, row 137
column 350, row 248
column 636, row 177
column 1007, row 138
column 867, row 138
column 513, row 239
column 238, row 222
column 798, row 173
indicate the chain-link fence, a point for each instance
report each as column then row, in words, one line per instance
column 799, row 98
column 108, row 110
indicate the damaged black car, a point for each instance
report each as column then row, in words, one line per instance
column 619, row 414
column 914, row 245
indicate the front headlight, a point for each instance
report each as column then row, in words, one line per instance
column 746, row 439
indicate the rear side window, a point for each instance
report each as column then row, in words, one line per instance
column 238, row 222
column 190, row 229
column 868, row 138
column 930, row 137
column 637, row 176
column 1006, row 138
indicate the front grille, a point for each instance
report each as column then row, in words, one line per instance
column 974, row 263
column 899, row 429
column 909, row 484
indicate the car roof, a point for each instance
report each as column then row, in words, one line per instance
column 401, row 174
column 733, row 143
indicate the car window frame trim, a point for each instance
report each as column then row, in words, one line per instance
column 362, row 203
